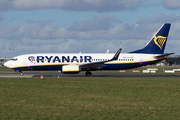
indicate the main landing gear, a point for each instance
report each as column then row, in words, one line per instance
column 88, row 73
column 21, row 73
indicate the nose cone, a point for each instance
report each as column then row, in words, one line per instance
column 7, row 64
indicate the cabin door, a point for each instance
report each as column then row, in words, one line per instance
column 25, row 60
column 141, row 59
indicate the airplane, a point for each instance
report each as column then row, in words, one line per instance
column 72, row 63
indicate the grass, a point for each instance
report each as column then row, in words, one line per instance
column 90, row 98
column 3, row 68
column 140, row 69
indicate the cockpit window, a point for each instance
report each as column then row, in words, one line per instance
column 14, row 59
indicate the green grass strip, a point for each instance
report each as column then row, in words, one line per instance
column 90, row 98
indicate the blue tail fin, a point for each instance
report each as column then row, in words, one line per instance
column 157, row 44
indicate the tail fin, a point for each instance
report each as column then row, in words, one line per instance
column 157, row 44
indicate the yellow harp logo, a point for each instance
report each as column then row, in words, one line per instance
column 159, row 41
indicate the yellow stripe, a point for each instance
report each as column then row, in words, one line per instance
column 47, row 64
column 133, row 62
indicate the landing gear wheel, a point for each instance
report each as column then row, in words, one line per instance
column 21, row 74
column 88, row 73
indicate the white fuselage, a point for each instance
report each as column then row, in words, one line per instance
column 56, row 61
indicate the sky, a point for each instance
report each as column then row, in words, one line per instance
column 87, row 26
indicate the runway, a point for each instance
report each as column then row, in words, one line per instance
column 82, row 74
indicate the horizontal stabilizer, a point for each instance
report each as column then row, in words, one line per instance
column 164, row 55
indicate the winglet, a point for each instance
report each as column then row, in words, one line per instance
column 117, row 54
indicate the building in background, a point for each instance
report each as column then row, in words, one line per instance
column 173, row 60
column 3, row 60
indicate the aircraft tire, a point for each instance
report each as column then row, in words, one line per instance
column 21, row 74
column 88, row 73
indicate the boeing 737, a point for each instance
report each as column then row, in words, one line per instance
column 73, row 63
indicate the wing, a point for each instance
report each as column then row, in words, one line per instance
column 100, row 63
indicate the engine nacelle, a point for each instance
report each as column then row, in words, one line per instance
column 70, row 69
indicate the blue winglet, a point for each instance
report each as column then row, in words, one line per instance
column 117, row 54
